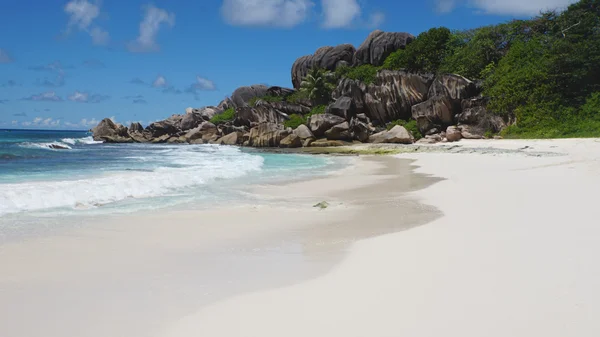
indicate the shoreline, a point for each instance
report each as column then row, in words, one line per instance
column 513, row 254
column 160, row 267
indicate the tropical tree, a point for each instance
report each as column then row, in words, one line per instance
column 317, row 86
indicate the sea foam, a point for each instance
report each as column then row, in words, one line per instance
column 189, row 167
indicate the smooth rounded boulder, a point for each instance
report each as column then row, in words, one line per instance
column 398, row 134
column 328, row 58
column 379, row 45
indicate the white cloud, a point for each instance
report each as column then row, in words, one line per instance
column 84, row 97
column 49, row 96
column 82, row 14
column 201, row 84
column 89, row 122
column 99, row 37
column 79, row 97
column 506, row 7
column 5, row 56
column 15, row 122
column 154, row 17
column 160, row 82
column 376, row 19
column 340, row 13
column 39, row 121
column 279, row 13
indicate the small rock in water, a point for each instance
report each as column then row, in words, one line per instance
column 322, row 205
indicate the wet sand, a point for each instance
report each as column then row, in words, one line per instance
column 138, row 275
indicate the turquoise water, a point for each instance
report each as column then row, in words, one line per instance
column 63, row 173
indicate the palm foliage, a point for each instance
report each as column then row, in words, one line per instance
column 317, row 86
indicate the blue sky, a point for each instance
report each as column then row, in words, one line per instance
column 68, row 64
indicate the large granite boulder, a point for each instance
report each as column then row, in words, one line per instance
column 389, row 98
column 475, row 113
column 207, row 112
column 267, row 135
column 454, row 87
column 378, row 46
column 320, row 123
column 303, row 132
column 437, row 112
column 243, row 95
column 398, row 134
column 225, row 104
column 471, row 132
column 232, row 138
column 324, row 58
column 190, row 121
column 359, row 130
column 261, row 113
column 291, row 141
column 343, row 107
column 279, row 91
column 453, row 134
column 285, row 107
column 136, row 128
column 168, row 126
column 339, row 132
column 136, row 132
column 111, row 132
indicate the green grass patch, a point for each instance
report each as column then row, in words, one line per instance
column 319, row 109
column 224, row 117
column 295, row 121
column 365, row 73
column 297, row 97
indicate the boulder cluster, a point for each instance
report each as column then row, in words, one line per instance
column 446, row 107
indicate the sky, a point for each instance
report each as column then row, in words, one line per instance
column 68, row 64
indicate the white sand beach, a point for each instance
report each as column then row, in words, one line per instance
column 515, row 254
column 505, row 245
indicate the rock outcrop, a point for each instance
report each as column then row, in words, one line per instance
column 378, row 46
column 339, row 132
column 190, row 121
column 328, row 58
column 291, row 141
column 446, row 107
column 303, row 132
column 243, row 95
column 390, row 97
column 343, row 107
column 436, row 112
column 320, row 123
column 110, row 132
column 267, row 135
column 232, row 138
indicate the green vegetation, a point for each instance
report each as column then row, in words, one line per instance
column 365, row 73
column 542, row 73
column 295, row 121
column 317, row 86
column 267, row 98
column 226, row 116
column 297, row 97
column 410, row 126
column 319, row 109
column 426, row 53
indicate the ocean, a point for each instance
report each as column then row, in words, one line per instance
column 66, row 173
